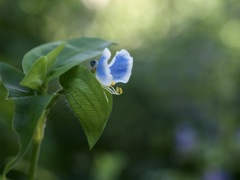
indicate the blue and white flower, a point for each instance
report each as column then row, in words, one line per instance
column 118, row 70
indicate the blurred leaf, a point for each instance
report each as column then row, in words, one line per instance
column 36, row 75
column 11, row 78
column 75, row 52
column 42, row 172
column 28, row 110
column 52, row 55
column 88, row 100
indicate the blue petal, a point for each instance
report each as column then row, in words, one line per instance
column 121, row 66
column 103, row 72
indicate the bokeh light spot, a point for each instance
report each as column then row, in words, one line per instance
column 230, row 33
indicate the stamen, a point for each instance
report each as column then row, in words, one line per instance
column 117, row 91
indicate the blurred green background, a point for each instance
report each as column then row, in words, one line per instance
column 178, row 118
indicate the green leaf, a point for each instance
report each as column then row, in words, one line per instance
column 37, row 74
column 75, row 52
column 52, row 56
column 91, row 104
column 11, row 78
column 28, row 111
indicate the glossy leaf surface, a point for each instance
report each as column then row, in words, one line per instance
column 11, row 78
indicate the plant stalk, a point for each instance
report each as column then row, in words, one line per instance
column 37, row 141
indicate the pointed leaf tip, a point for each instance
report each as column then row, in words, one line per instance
column 36, row 75
column 88, row 100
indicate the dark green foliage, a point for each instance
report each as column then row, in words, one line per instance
column 28, row 111
column 185, row 82
column 80, row 87
column 88, row 100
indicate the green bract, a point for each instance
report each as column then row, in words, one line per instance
column 29, row 90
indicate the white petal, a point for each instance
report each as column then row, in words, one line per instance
column 103, row 72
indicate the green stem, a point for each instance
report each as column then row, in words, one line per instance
column 34, row 162
column 38, row 137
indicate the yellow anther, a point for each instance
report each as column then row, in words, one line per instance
column 112, row 90
column 119, row 90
